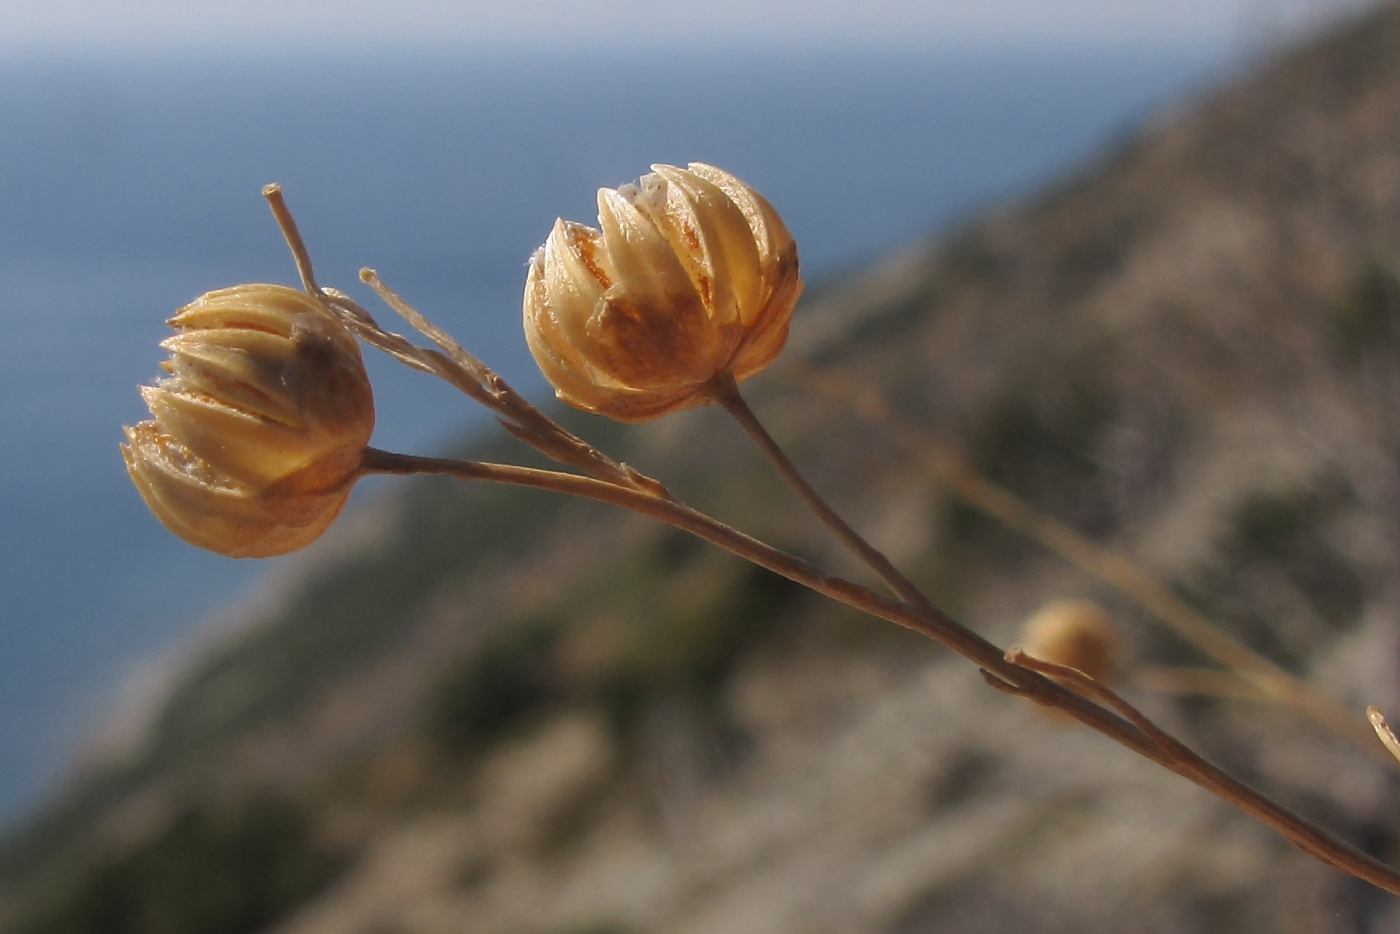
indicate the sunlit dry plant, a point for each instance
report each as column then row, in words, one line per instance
column 686, row 290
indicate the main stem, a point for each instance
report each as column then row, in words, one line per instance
column 937, row 625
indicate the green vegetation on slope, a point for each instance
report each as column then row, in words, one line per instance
column 207, row 872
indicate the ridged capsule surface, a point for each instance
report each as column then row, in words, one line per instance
column 689, row 274
column 258, row 427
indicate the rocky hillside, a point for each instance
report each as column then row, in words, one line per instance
column 501, row 711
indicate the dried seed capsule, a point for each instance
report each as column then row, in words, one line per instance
column 1075, row 633
column 691, row 274
column 259, row 427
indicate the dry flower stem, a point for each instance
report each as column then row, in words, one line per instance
column 1269, row 681
column 1018, row 675
column 725, row 391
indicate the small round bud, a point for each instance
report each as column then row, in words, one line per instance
column 690, row 275
column 1074, row 633
column 259, row 427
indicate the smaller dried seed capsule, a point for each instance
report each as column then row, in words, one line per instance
column 1075, row 633
column 260, row 425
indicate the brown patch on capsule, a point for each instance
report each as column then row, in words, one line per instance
column 585, row 247
column 645, row 346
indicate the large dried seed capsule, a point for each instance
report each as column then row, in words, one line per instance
column 691, row 274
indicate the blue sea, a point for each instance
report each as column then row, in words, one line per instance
column 129, row 187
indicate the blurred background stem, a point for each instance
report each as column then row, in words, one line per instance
column 1248, row 672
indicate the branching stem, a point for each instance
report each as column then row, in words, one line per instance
column 1066, row 690
column 1014, row 672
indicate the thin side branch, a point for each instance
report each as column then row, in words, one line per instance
column 725, row 391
